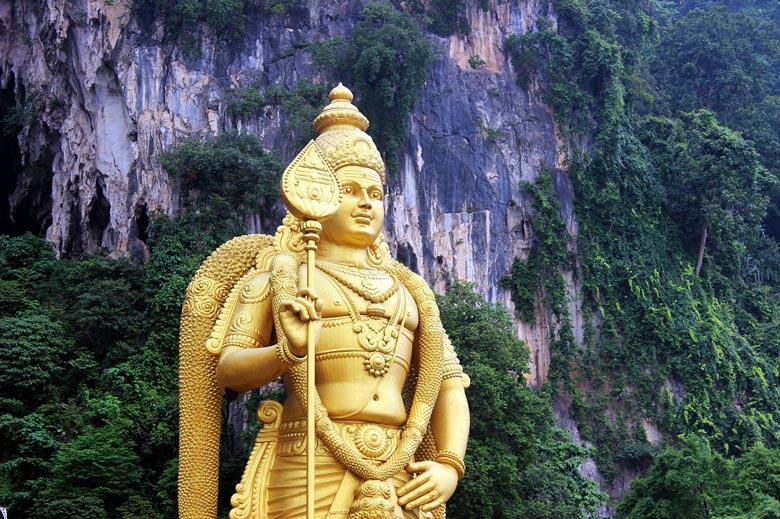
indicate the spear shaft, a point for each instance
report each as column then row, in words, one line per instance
column 311, row 229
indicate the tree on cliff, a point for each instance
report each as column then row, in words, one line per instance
column 715, row 184
column 519, row 465
column 696, row 483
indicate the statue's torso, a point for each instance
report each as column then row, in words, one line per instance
column 365, row 350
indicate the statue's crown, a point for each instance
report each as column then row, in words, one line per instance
column 342, row 134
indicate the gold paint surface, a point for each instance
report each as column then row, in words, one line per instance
column 388, row 387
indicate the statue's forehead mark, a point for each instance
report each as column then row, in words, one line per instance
column 363, row 176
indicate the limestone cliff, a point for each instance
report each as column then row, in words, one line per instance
column 98, row 92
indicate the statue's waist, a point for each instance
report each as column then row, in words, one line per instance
column 350, row 356
column 358, row 352
column 372, row 440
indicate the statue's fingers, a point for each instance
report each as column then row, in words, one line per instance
column 428, row 507
column 310, row 296
column 311, row 309
column 415, row 495
column 309, row 293
column 414, row 482
column 422, row 495
column 295, row 307
column 418, row 466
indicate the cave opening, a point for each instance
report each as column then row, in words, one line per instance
column 25, row 190
column 405, row 255
column 142, row 222
column 99, row 216
column 31, row 211
column 10, row 157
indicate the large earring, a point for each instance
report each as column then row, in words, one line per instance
column 378, row 252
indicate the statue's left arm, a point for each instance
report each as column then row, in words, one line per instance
column 436, row 480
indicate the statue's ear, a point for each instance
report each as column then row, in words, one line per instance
column 310, row 188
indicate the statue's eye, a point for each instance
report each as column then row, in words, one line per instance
column 347, row 190
column 376, row 195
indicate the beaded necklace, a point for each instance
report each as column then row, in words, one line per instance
column 367, row 289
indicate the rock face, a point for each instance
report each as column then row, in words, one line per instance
column 91, row 94
column 100, row 95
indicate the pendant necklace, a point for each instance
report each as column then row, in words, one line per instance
column 376, row 335
column 367, row 289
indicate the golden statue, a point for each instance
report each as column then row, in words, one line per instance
column 386, row 431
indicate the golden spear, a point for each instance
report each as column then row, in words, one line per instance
column 312, row 193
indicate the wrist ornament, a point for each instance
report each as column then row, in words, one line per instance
column 453, row 460
column 285, row 355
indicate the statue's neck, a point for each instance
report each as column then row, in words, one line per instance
column 341, row 254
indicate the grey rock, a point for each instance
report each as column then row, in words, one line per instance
column 111, row 94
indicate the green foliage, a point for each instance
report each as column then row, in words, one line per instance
column 31, row 350
column 182, row 19
column 476, row 61
column 548, row 53
column 553, row 488
column 245, row 102
column 386, row 63
column 586, row 63
column 695, row 482
column 541, row 272
column 89, row 412
column 491, row 134
column 16, row 118
column 223, row 179
column 388, row 59
column 279, row 6
column 233, row 166
column 714, row 183
column 448, row 17
column 716, row 59
column 660, row 325
column 723, row 57
column 524, row 464
column 525, row 55
column 100, row 464
column 687, row 353
column 299, row 105
column 100, row 437
column 731, row 68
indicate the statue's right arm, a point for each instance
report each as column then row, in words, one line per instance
column 247, row 360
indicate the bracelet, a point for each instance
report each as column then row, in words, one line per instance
column 453, row 460
column 285, row 355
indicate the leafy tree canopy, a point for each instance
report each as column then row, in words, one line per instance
column 386, row 60
column 696, row 483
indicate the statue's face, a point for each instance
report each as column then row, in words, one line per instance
column 361, row 214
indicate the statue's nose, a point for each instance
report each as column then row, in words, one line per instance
column 365, row 200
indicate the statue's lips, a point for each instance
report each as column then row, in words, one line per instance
column 363, row 218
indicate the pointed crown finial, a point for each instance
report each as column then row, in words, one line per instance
column 341, row 92
column 340, row 112
column 342, row 134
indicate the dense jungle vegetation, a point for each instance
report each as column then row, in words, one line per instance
column 676, row 195
column 671, row 112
